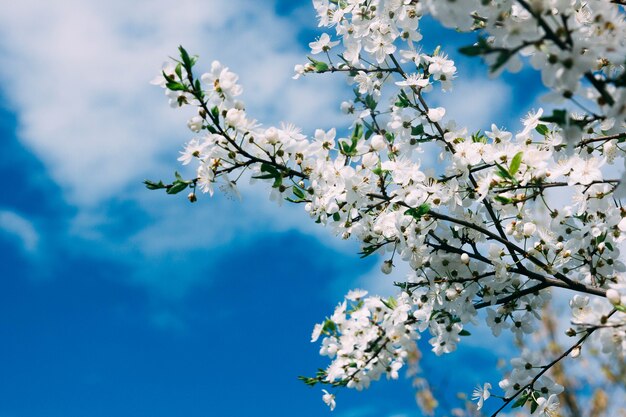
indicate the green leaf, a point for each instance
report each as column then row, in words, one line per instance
column 464, row 333
column 403, row 100
column 271, row 172
column 502, row 199
column 264, row 177
column 198, row 88
column 370, row 102
column 391, row 303
column 367, row 251
column 520, row 401
column 151, row 185
column 418, row 212
column 378, row 170
column 349, row 149
column 185, row 57
column 503, row 58
column 533, row 406
column 265, row 167
column 472, row 50
column 504, row 173
column 179, row 71
column 542, row 129
column 175, row 86
column 479, row 48
column 321, row 66
column 358, row 131
column 479, row 138
column 515, row 163
column 417, row 130
column 177, row 187
column 167, row 77
column 368, row 134
column 558, row 117
column 309, row 381
column 329, row 326
column 297, row 192
column 336, row 217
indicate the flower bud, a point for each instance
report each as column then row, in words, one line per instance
column 347, row 107
column 378, row 143
column 195, row 124
column 465, row 258
column 570, row 332
column 386, row 267
column 575, row 352
column 192, row 197
column 451, row 294
column 613, row 296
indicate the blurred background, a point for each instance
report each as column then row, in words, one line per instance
column 118, row 301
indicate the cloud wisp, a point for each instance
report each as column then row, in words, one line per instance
column 19, row 228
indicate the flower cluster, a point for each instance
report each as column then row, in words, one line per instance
column 367, row 338
column 510, row 214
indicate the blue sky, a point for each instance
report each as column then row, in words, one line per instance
column 115, row 301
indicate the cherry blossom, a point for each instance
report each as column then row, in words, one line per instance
column 509, row 219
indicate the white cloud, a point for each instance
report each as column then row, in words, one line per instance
column 20, row 229
column 78, row 75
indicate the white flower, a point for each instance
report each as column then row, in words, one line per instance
column 357, row 294
column 529, row 229
column 530, row 122
column 547, row 407
column 378, row 143
column 414, row 80
column 317, row 331
column 329, row 399
column 436, row 114
column 361, row 186
column 481, row 393
column 192, row 150
column 585, row 171
column 323, row 44
column 195, row 124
